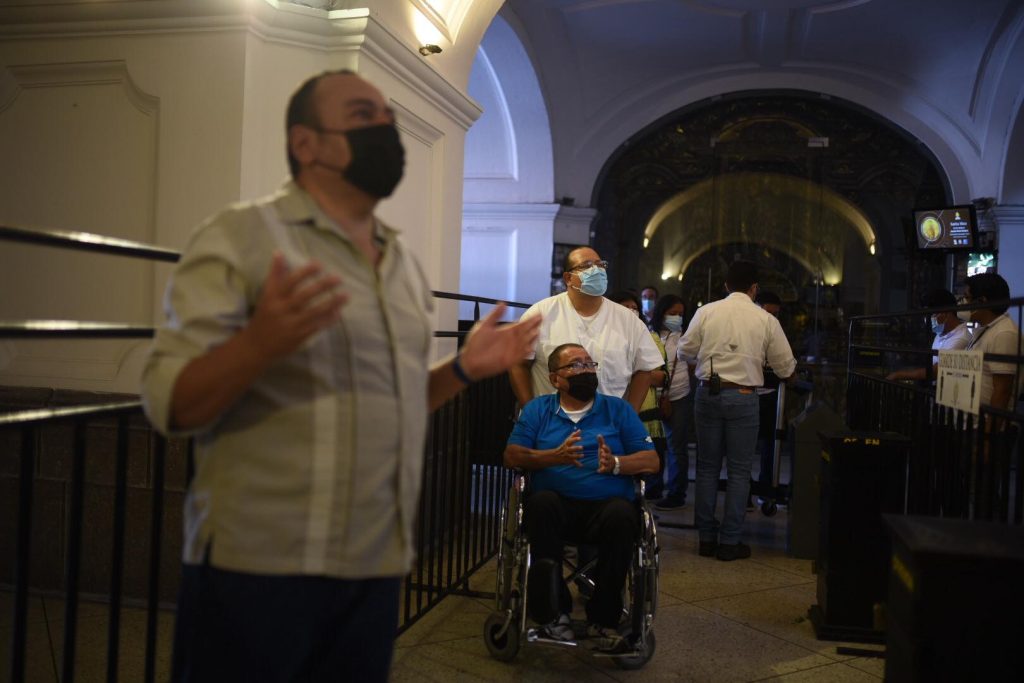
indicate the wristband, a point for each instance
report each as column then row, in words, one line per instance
column 460, row 372
column 618, row 465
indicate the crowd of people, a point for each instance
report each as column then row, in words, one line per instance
column 296, row 351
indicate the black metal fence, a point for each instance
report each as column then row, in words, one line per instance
column 463, row 488
column 961, row 465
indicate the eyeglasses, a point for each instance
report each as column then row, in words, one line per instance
column 603, row 265
column 579, row 366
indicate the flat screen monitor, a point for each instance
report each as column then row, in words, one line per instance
column 980, row 262
column 947, row 228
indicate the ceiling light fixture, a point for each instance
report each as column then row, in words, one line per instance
column 429, row 49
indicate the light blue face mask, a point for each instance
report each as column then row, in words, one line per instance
column 594, row 281
column 673, row 323
column 937, row 327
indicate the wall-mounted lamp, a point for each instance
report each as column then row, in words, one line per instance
column 647, row 240
column 680, row 278
column 871, row 248
column 429, row 49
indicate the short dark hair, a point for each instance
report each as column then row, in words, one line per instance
column 567, row 261
column 766, row 297
column 664, row 303
column 554, row 356
column 742, row 275
column 938, row 298
column 656, row 292
column 302, row 112
column 991, row 287
column 625, row 295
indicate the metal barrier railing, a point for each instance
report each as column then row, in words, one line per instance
column 463, row 488
column 961, row 465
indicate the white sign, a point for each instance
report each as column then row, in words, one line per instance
column 959, row 382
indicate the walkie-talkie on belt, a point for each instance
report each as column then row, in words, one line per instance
column 715, row 383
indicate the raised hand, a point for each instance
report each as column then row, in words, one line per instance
column 293, row 306
column 491, row 348
column 605, row 459
column 570, row 452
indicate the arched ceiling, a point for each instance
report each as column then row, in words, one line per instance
column 806, row 221
column 946, row 72
column 818, row 180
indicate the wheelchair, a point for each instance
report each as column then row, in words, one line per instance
column 509, row 626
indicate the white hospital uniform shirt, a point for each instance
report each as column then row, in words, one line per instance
column 615, row 337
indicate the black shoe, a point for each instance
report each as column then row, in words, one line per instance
column 727, row 552
column 707, row 548
column 670, row 503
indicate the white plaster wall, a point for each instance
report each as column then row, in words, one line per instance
column 209, row 131
column 113, row 135
column 506, row 253
column 508, row 216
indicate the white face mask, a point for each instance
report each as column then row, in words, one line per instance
column 673, row 323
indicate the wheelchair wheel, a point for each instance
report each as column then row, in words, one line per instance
column 769, row 508
column 637, row 662
column 502, row 647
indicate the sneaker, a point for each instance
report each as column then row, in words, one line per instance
column 605, row 639
column 670, row 503
column 560, row 629
column 707, row 548
column 727, row 552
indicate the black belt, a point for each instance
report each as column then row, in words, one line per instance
column 724, row 384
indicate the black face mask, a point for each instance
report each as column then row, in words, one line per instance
column 378, row 159
column 583, row 386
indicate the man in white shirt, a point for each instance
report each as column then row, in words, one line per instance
column 730, row 340
column 613, row 335
column 951, row 334
column 997, row 334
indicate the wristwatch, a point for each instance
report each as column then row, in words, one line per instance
column 618, row 465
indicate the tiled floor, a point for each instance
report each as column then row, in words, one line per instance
column 716, row 621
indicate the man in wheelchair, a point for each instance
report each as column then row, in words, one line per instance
column 582, row 449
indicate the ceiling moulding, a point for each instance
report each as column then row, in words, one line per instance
column 499, row 211
column 277, row 21
column 405, row 64
column 449, row 19
column 104, row 17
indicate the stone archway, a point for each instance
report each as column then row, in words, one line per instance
column 834, row 179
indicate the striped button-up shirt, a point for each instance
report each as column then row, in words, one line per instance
column 316, row 469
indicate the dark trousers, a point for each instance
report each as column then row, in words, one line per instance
column 611, row 525
column 251, row 627
column 767, row 406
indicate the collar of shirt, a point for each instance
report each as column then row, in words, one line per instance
column 590, row 408
column 295, row 205
column 946, row 335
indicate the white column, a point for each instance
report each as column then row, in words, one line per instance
column 573, row 223
column 1010, row 223
column 506, row 253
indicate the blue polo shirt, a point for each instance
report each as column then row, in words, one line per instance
column 543, row 424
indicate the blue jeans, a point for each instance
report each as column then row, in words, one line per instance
column 726, row 427
column 677, row 460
